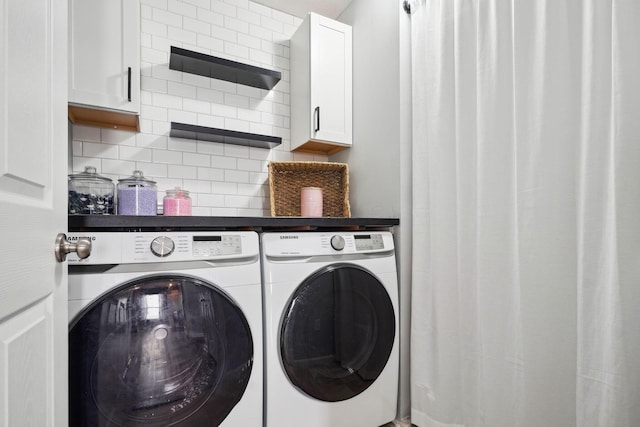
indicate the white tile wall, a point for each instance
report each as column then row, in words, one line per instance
column 224, row 180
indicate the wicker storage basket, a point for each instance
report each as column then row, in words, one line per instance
column 286, row 179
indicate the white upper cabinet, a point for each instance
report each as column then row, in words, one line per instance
column 104, row 60
column 321, row 86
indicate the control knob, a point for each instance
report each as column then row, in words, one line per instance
column 162, row 246
column 337, row 243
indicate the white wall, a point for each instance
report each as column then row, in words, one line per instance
column 226, row 180
column 404, row 232
column 380, row 159
column 374, row 157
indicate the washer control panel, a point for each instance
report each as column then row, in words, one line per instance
column 124, row 248
column 216, row 245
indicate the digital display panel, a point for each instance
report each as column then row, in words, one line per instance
column 207, row 238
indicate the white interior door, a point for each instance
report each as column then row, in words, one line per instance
column 33, row 165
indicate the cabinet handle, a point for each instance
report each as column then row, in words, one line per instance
column 129, row 85
column 317, row 114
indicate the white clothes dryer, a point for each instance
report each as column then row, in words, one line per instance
column 166, row 330
column 331, row 329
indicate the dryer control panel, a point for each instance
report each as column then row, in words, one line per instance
column 330, row 243
column 368, row 242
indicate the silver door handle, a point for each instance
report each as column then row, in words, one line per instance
column 63, row 247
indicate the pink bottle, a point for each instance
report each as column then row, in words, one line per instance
column 176, row 203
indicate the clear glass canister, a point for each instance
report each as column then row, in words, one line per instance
column 137, row 195
column 90, row 193
column 176, row 203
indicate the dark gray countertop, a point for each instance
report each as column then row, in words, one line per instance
column 202, row 223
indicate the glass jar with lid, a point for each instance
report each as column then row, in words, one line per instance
column 137, row 195
column 90, row 193
column 176, row 203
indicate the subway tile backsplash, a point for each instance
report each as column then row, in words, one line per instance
column 224, row 180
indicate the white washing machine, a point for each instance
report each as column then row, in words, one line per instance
column 166, row 329
column 331, row 329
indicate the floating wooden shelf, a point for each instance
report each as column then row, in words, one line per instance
column 202, row 133
column 320, row 147
column 192, row 62
column 89, row 116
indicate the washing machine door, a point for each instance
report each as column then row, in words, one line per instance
column 337, row 332
column 159, row 351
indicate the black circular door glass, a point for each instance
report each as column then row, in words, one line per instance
column 337, row 332
column 159, row 351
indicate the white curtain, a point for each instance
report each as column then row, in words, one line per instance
column 526, row 213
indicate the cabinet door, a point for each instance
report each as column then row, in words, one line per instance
column 104, row 54
column 331, row 66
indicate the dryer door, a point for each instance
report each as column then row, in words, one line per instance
column 337, row 332
column 158, row 351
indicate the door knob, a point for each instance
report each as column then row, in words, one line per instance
column 82, row 247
